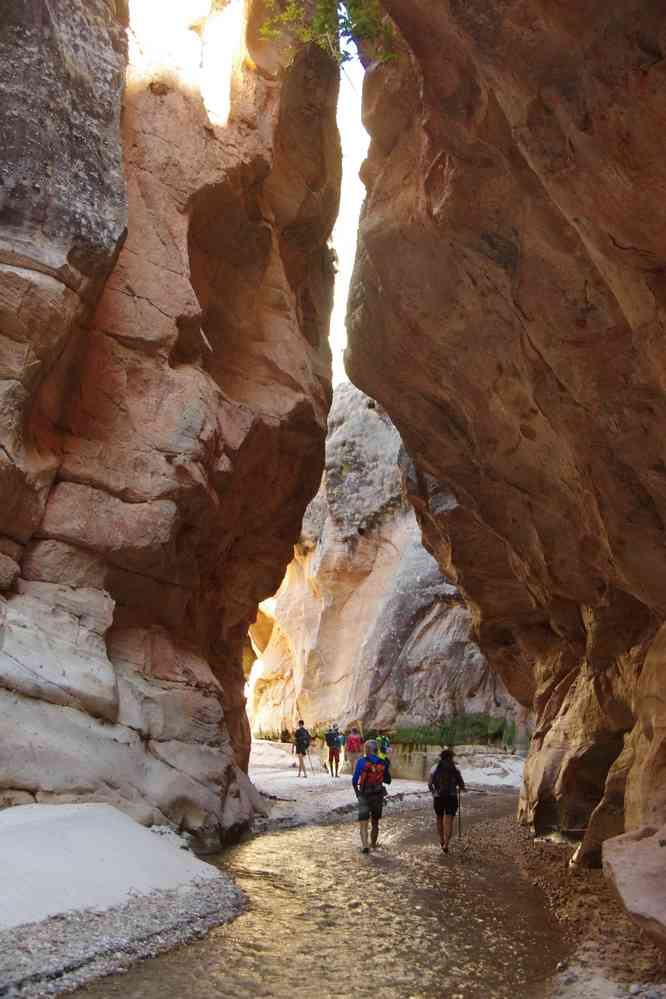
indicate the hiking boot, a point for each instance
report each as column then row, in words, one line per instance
column 365, row 849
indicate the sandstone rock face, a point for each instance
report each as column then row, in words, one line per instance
column 364, row 627
column 634, row 864
column 164, row 395
column 508, row 311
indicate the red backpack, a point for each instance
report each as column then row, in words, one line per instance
column 354, row 743
column 372, row 778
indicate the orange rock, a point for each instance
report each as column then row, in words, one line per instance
column 165, row 409
column 507, row 310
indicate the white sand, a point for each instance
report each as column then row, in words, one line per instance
column 59, row 858
column 319, row 796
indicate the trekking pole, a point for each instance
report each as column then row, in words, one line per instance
column 311, row 766
column 459, row 814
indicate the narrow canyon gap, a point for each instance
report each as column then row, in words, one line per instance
column 165, row 288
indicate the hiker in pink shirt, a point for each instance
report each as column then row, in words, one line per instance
column 353, row 747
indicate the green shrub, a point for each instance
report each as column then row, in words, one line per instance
column 332, row 25
column 459, row 730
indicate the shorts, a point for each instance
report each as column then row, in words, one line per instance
column 448, row 805
column 333, row 755
column 370, row 806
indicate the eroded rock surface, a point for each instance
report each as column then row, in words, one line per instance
column 365, row 627
column 508, row 311
column 634, row 864
column 164, row 395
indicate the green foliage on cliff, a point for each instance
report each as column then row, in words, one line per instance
column 461, row 730
column 334, row 26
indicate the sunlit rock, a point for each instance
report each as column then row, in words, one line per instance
column 364, row 627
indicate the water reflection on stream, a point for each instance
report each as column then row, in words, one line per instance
column 404, row 923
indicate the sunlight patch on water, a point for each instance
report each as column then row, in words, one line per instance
column 404, row 922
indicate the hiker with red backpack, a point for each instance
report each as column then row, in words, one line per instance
column 353, row 747
column 444, row 784
column 370, row 775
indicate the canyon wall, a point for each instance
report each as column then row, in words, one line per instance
column 365, row 628
column 507, row 310
column 165, row 289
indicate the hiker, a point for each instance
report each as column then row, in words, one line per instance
column 370, row 775
column 333, row 741
column 445, row 779
column 301, row 745
column 383, row 746
column 353, row 747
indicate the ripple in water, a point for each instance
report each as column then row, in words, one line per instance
column 404, row 923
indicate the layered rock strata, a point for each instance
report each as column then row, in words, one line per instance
column 365, row 628
column 508, row 311
column 165, row 287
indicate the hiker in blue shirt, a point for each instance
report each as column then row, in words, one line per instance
column 370, row 774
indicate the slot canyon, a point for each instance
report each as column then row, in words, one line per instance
column 203, row 539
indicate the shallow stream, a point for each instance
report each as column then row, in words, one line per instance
column 406, row 922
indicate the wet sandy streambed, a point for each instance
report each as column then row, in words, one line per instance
column 404, row 922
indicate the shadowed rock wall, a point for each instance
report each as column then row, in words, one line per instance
column 164, row 395
column 364, row 627
column 507, row 309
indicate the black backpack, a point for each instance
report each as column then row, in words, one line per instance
column 445, row 780
column 302, row 739
column 331, row 739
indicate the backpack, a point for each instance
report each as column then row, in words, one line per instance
column 383, row 743
column 302, row 739
column 445, row 781
column 372, row 778
column 332, row 739
column 354, row 743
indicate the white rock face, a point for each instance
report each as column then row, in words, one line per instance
column 53, row 647
column 56, row 859
column 365, row 627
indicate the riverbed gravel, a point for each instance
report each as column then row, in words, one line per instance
column 611, row 957
column 62, row 953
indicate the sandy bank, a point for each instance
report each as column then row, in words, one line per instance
column 294, row 801
column 86, row 891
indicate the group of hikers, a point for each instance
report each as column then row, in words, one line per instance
column 371, row 772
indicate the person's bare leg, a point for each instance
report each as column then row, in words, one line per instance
column 448, row 829
column 440, row 829
column 374, row 831
column 301, row 766
column 363, row 829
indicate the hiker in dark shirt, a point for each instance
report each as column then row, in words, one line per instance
column 301, row 744
column 445, row 780
column 333, row 740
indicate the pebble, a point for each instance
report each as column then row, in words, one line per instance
column 34, row 958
